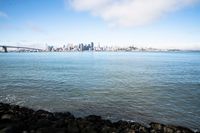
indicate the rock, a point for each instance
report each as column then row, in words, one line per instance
column 154, row 131
column 4, row 106
column 60, row 123
column 182, row 129
column 51, row 130
column 157, row 126
column 8, row 129
column 135, row 126
column 121, row 124
column 93, row 118
column 32, row 131
column 88, row 129
column 25, row 111
column 7, row 116
column 16, row 119
column 131, row 131
column 105, row 129
column 168, row 130
column 63, row 115
column 107, row 123
column 43, row 123
column 44, row 114
column 72, row 127
column 143, row 129
column 83, row 123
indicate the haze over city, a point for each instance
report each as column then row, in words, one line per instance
column 161, row 24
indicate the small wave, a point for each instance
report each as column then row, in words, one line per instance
column 10, row 98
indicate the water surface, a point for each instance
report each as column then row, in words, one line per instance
column 139, row 86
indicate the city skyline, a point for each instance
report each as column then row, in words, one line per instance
column 161, row 24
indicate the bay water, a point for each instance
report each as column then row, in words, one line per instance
column 137, row 86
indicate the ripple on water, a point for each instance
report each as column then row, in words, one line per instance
column 141, row 86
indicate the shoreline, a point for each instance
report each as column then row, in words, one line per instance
column 18, row 119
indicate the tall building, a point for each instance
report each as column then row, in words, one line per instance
column 50, row 48
column 81, row 47
column 92, row 46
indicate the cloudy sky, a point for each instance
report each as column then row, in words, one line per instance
column 143, row 23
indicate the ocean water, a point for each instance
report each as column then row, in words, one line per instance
column 138, row 86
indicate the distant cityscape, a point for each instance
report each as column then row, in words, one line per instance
column 85, row 47
column 92, row 47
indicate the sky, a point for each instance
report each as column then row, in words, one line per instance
column 164, row 24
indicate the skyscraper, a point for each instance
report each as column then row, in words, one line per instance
column 92, row 46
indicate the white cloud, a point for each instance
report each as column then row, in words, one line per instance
column 129, row 12
column 3, row 15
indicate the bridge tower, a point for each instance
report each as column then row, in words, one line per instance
column 5, row 49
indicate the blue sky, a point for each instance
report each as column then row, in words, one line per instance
column 166, row 24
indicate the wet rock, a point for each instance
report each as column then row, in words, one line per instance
column 4, row 106
column 63, row 115
column 44, row 114
column 121, row 124
column 16, row 119
column 24, row 111
column 107, row 123
column 93, row 118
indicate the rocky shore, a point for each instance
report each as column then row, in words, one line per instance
column 17, row 119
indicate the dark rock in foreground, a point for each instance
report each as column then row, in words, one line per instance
column 16, row 119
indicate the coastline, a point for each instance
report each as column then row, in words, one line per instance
column 18, row 119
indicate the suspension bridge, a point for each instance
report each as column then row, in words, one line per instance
column 5, row 48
